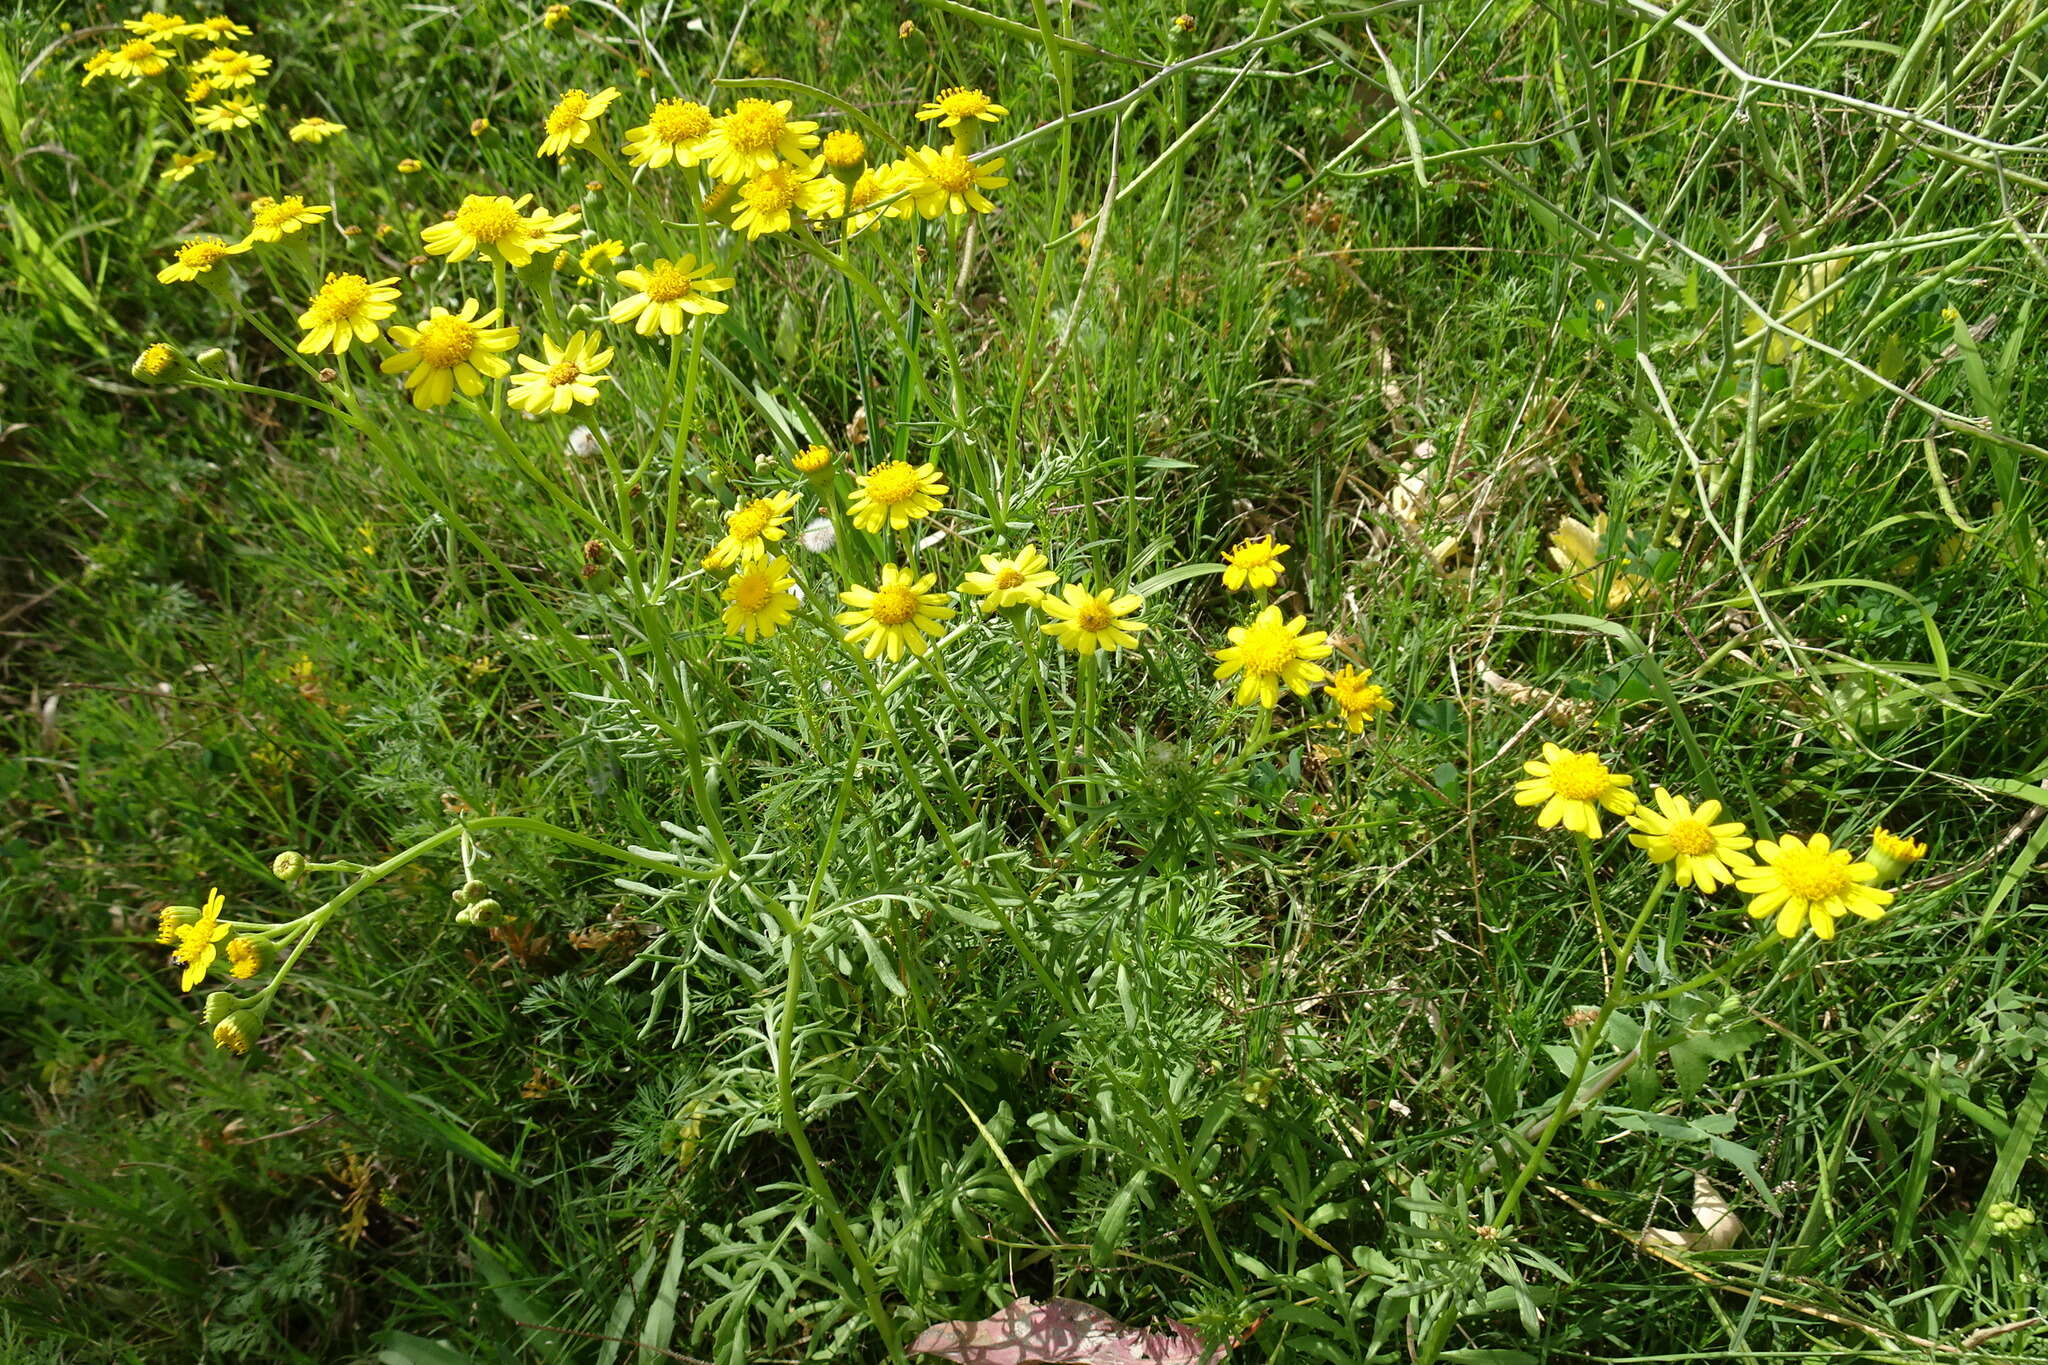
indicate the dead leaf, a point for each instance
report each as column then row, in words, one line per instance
column 1061, row 1332
column 1719, row 1227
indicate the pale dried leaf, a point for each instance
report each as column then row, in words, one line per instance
column 1719, row 1226
column 1060, row 1332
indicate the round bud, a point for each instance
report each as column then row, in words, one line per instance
column 288, row 866
column 486, row 912
column 237, row 1031
column 219, row 1005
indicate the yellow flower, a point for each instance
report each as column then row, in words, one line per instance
column 751, row 528
column 552, row 17
column 768, row 199
column 1573, row 789
column 895, row 494
column 237, row 1031
column 897, row 614
column 1357, row 698
column 272, row 220
column 1085, row 621
column 199, row 92
column 479, row 126
column 958, row 104
column 674, row 131
column 570, row 122
column 1810, row 883
column 172, row 920
column 1702, row 853
column 1891, row 854
column 228, row 115
column 843, row 150
column 247, row 956
column 755, row 136
column 96, row 65
column 409, row 165
column 1272, row 652
column 155, row 360
column 196, row 257
column 315, row 129
column 227, row 69
column 1575, row 548
column 219, row 29
column 948, row 181
column 497, row 228
column 565, row 375
column 184, row 163
column 667, row 294
column 759, row 598
column 598, row 258
column 451, row 350
column 197, row 942
column 136, row 58
column 864, row 201
column 1018, row 580
column 347, row 308
column 1253, row 564
column 154, row 24
column 812, row 459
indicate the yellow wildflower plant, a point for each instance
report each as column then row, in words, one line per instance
column 346, row 308
column 812, row 459
column 899, row 613
column 1891, row 854
column 668, row 294
column 573, row 119
column 407, row 165
column 563, row 376
column 598, row 259
column 1253, row 564
column 1270, row 652
column 1572, row 789
column 199, row 941
column 1085, row 621
column 961, row 104
column 184, row 163
column 155, row 24
column 843, row 150
column 675, row 132
column 948, row 181
column 755, row 136
column 137, row 59
column 498, row 228
column 894, row 494
column 751, row 528
column 450, row 351
column 1357, row 698
column 228, row 115
column 198, row 92
column 1810, row 884
column 760, row 598
column 156, row 361
column 769, row 201
column 247, row 956
column 227, row 68
column 272, row 220
column 1018, row 580
column 196, row 257
column 554, row 16
column 95, row 65
column 217, row 29
column 1575, row 548
column 1702, row 854
column 315, row 129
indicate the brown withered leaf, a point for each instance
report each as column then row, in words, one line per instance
column 1061, row 1332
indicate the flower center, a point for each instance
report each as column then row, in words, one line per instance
column 446, row 342
column 676, row 121
column 488, row 219
column 750, row 593
column 340, row 297
column 750, row 521
column 156, row 359
column 753, row 126
column 1691, row 837
column 1008, row 577
column 667, row 283
column 894, row 605
column 951, row 172
column 278, row 212
column 137, row 49
column 771, row 191
column 961, row 103
column 1094, row 618
column 1813, row 876
column 1253, row 556
column 201, row 255
column 1267, row 650
column 568, row 112
column 892, row 483
column 843, row 148
column 564, row 372
column 1580, row 777
column 231, row 66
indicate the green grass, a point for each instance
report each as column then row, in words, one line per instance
column 1241, row 1029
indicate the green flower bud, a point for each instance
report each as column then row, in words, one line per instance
column 486, row 912
column 238, row 1030
column 472, row 891
column 219, row 1005
column 161, row 363
column 213, row 360
column 288, row 866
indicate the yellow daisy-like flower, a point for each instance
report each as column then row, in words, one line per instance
column 272, row 220
column 246, row 956
column 1018, row 580
column 479, row 125
column 137, row 58
column 1809, row 883
column 751, row 528
column 759, row 598
column 871, row 198
column 569, row 123
column 1253, row 564
column 1357, row 698
column 198, row 92
column 843, row 150
column 198, row 942
column 948, row 181
column 450, row 351
column 961, row 104
column 196, row 257
column 95, row 66
column 1085, row 621
column 812, row 459
column 667, row 294
column 315, row 129
column 896, row 494
column 1573, row 788
column 346, row 308
column 597, row 259
column 154, row 362
column 769, row 201
column 899, row 613
column 1891, row 854
column 236, row 1032
column 1272, row 652
column 228, row 115
column 755, row 136
column 184, row 163
column 674, row 132
column 219, row 28
column 499, row 229
column 554, row 16
column 154, row 24
column 1702, row 853
column 227, row 69
column 564, row 376
column 408, row 165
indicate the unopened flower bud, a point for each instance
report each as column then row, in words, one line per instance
column 219, row 1005
column 328, row 374
column 486, row 912
column 1183, row 23
column 172, row 918
column 213, row 360
column 238, row 1030
column 288, row 866
column 1891, row 854
column 479, row 126
column 161, row 363
column 472, row 891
